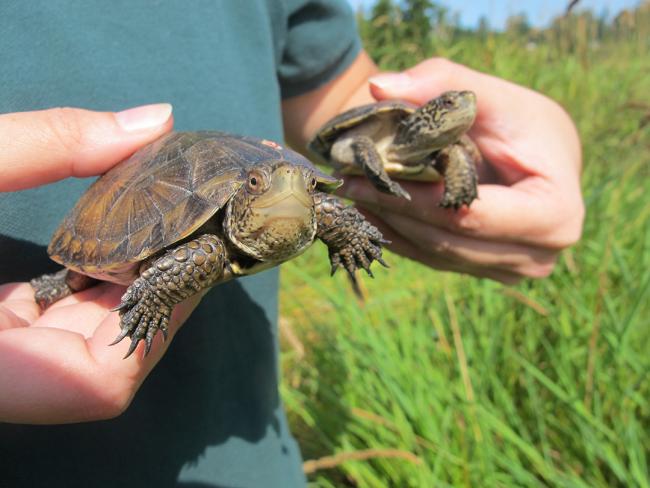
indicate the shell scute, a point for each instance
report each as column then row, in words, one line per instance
column 158, row 196
column 327, row 134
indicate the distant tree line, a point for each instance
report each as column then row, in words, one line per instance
column 419, row 28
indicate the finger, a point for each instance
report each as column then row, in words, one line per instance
column 82, row 311
column 103, row 293
column 88, row 315
column 49, row 145
column 16, row 291
column 71, row 378
column 18, row 306
column 531, row 212
column 10, row 320
column 407, row 249
column 518, row 259
column 432, row 77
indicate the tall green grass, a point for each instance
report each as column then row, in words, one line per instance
column 446, row 380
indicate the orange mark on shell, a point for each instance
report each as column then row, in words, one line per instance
column 272, row 144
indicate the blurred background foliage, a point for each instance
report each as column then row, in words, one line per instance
column 446, row 380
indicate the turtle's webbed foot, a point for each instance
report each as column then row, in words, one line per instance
column 458, row 198
column 359, row 253
column 50, row 288
column 186, row 270
column 368, row 158
column 353, row 242
column 142, row 314
column 458, row 165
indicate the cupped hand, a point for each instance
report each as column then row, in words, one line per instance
column 529, row 204
column 56, row 366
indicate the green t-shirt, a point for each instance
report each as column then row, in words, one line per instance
column 209, row 415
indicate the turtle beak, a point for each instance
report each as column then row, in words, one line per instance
column 468, row 99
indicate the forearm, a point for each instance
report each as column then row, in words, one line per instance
column 305, row 114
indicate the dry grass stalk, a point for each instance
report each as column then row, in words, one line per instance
column 290, row 336
column 329, row 462
column 462, row 363
column 529, row 302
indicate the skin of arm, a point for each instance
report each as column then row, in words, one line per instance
column 530, row 205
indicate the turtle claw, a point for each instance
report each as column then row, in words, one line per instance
column 134, row 344
column 120, row 307
column 123, row 333
column 356, row 288
column 163, row 327
column 335, row 260
column 130, row 297
column 142, row 315
column 147, row 344
column 448, row 201
column 396, row 189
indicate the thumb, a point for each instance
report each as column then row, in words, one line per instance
column 427, row 80
column 49, row 145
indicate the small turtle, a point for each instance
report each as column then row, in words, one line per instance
column 195, row 209
column 399, row 139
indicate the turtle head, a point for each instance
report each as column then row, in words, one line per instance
column 272, row 217
column 435, row 125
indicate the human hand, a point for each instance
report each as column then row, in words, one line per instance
column 529, row 206
column 56, row 366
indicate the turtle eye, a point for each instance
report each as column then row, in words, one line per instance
column 255, row 182
column 448, row 103
column 313, row 183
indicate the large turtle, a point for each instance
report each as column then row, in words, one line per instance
column 195, row 209
column 396, row 138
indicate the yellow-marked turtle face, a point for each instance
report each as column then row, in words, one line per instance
column 272, row 217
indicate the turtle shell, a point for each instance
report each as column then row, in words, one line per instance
column 327, row 134
column 160, row 195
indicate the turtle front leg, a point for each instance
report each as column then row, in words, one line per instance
column 51, row 288
column 353, row 242
column 181, row 272
column 457, row 164
column 366, row 156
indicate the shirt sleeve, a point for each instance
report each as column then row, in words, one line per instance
column 321, row 42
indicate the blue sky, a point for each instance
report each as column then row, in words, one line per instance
column 539, row 12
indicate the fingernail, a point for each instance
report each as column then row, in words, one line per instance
column 144, row 117
column 391, row 81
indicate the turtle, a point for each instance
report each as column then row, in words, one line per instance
column 193, row 210
column 397, row 138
